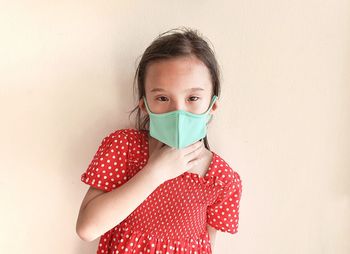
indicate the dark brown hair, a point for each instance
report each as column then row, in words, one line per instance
column 177, row 42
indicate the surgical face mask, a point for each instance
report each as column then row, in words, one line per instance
column 179, row 128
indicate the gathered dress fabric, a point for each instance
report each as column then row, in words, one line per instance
column 174, row 217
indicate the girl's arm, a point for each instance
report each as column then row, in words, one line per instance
column 212, row 234
column 101, row 211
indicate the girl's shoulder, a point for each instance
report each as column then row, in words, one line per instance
column 114, row 162
column 126, row 136
column 223, row 171
column 126, row 132
column 132, row 142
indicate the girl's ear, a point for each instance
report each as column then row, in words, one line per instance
column 215, row 106
column 142, row 106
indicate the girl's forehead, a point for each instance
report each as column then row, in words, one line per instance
column 182, row 73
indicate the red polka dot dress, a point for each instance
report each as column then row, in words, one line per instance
column 174, row 217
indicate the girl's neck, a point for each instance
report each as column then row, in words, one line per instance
column 151, row 143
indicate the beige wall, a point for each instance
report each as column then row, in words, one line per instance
column 65, row 82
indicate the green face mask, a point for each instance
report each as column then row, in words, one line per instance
column 179, row 128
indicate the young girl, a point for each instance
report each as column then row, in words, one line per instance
column 158, row 188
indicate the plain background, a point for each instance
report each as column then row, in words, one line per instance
column 66, row 82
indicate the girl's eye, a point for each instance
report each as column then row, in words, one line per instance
column 196, row 98
column 161, row 97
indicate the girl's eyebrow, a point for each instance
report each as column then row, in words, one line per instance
column 192, row 89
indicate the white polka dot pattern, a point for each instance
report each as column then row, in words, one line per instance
column 108, row 167
column 224, row 213
column 173, row 218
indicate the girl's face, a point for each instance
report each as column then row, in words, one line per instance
column 178, row 83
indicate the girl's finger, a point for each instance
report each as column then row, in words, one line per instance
column 159, row 145
column 193, row 163
column 192, row 149
column 188, row 149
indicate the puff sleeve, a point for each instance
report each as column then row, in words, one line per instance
column 108, row 168
column 223, row 214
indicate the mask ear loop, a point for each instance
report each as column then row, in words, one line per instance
column 211, row 103
column 210, row 115
column 210, row 106
column 146, row 104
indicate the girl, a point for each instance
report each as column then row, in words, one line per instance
column 158, row 188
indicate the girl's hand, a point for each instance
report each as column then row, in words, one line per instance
column 167, row 162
